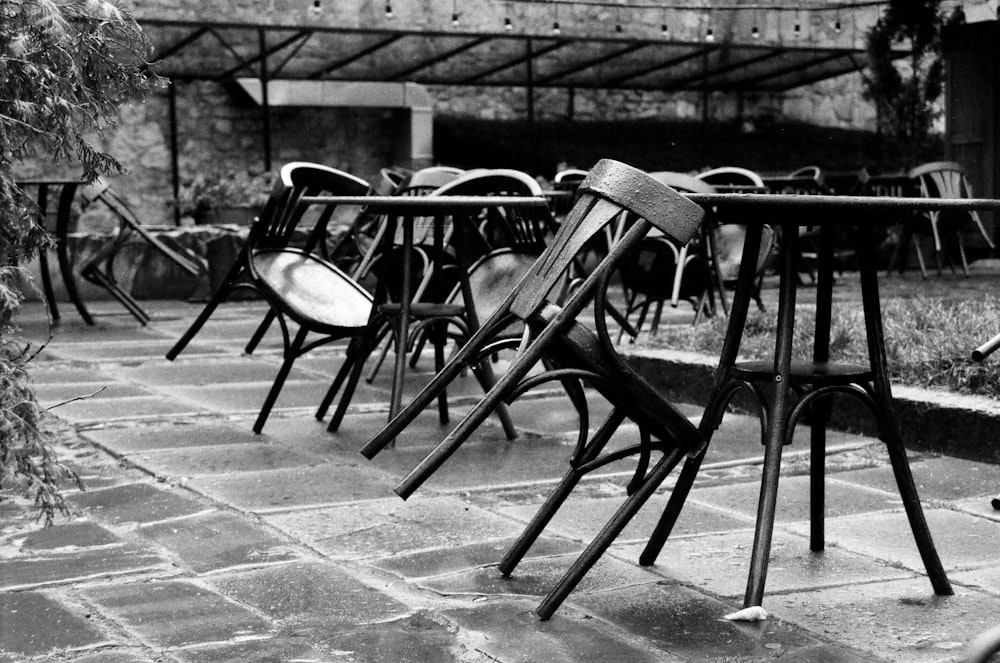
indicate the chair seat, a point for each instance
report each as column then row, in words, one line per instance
column 805, row 372
column 312, row 290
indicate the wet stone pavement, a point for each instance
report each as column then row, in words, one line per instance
column 198, row 541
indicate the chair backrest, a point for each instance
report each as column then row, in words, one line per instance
column 945, row 179
column 282, row 214
column 731, row 175
column 727, row 233
column 941, row 179
column 520, row 229
column 611, row 188
column 427, row 180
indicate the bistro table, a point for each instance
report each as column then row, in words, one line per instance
column 773, row 382
column 404, row 211
column 67, row 191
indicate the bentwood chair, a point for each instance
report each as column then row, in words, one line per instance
column 300, row 285
column 943, row 179
column 554, row 334
column 99, row 268
column 276, row 228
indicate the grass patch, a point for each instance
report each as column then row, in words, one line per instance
column 928, row 341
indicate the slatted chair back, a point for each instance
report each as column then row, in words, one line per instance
column 276, row 226
column 522, row 230
column 946, row 179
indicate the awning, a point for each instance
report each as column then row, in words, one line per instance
column 596, row 47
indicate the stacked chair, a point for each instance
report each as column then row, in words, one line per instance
column 554, row 334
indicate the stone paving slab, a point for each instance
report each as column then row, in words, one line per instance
column 176, row 613
column 100, row 410
column 469, row 557
column 214, row 541
column 937, row 478
column 594, row 503
column 510, row 631
column 138, row 503
column 688, row 624
column 536, row 577
column 384, row 527
column 127, row 440
column 262, row 649
column 309, row 596
column 296, row 488
column 35, row 625
column 900, row 620
column 960, row 539
column 719, row 564
column 197, row 461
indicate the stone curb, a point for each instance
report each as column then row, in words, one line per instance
column 934, row 421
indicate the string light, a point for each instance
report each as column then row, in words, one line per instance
column 755, row 31
column 388, row 10
column 709, row 32
column 317, row 8
column 664, row 28
column 507, row 23
column 797, row 29
column 618, row 19
column 555, row 19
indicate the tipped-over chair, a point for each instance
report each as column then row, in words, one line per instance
column 99, row 268
column 276, row 229
column 577, row 353
column 943, row 179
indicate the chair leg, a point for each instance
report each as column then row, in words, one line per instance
column 548, row 509
column 291, row 352
column 915, row 515
column 672, row 511
column 338, row 380
column 609, row 533
column 261, row 330
column 217, row 298
column 357, row 364
column 384, row 340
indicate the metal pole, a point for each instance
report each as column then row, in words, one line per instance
column 531, row 104
column 175, row 170
column 265, row 103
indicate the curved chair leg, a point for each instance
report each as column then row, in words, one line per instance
column 915, row 515
column 291, row 352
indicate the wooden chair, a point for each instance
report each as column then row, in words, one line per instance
column 577, row 353
column 276, row 226
column 99, row 268
column 943, row 179
column 301, row 286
